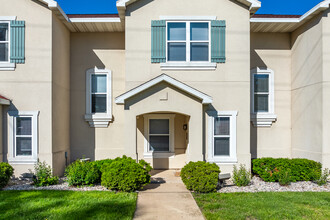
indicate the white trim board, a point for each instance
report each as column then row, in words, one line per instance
column 164, row 78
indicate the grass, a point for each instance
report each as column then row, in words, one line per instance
column 268, row 205
column 66, row 205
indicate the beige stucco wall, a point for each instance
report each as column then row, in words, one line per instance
column 104, row 50
column 229, row 84
column 307, row 91
column 60, row 95
column 273, row 51
column 29, row 86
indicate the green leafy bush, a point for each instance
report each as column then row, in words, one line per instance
column 42, row 175
column 6, row 171
column 284, row 177
column 241, row 176
column 125, row 174
column 200, row 176
column 100, row 163
column 323, row 179
column 82, row 173
column 300, row 169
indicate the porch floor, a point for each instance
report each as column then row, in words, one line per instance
column 166, row 198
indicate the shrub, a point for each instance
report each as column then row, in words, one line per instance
column 100, row 163
column 323, row 179
column 300, row 169
column 6, row 171
column 82, row 173
column 125, row 174
column 241, row 177
column 200, row 176
column 284, row 177
column 42, row 175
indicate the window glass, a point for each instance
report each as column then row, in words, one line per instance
column 221, row 146
column 99, row 103
column 159, row 143
column 99, row 83
column 23, row 126
column 176, row 51
column 221, row 126
column 159, row 126
column 199, row 52
column 176, row 31
column 3, row 31
column 261, row 102
column 3, row 51
column 261, row 83
column 23, row 146
column 199, row 31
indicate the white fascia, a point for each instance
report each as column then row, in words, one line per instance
column 164, row 78
column 94, row 20
column 318, row 8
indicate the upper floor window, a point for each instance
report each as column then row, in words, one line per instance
column 4, row 41
column 23, row 136
column 195, row 42
column 262, row 97
column 98, row 97
column 188, row 41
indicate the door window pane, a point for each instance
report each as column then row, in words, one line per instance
column 199, row 31
column 159, row 143
column 4, row 32
column 159, row 126
column 3, row 52
column 199, row 52
column 177, row 51
column 23, row 126
column 99, row 83
column 23, row 146
column 221, row 126
column 99, row 103
column 261, row 83
column 261, row 103
column 221, row 146
column 176, row 31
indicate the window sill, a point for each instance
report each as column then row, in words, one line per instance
column 158, row 155
column 22, row 160
column 7, row 66
column 98, row 120
column 223, row 160
column 263, row 120
column 188, row 66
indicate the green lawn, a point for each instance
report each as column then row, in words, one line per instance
column 268, row 205
column 66, row 205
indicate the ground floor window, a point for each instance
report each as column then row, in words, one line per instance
column 23, row 136
column 222, row 137
column 159, row 134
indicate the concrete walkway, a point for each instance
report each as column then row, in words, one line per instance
column 166, row 198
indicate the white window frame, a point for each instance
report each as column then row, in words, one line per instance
column 7, row 65
column 98, row 120
column 12, row 157
column 186, row 65
column 263, row 119
column 232, row 157
column 151, row 154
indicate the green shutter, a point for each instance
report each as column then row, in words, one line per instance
column 218, row 41
column 17, row 41
column 158, row 41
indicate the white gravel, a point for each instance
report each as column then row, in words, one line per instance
column 258, row 185
column 26, row 184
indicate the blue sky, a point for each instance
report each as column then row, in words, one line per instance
column 296, row 7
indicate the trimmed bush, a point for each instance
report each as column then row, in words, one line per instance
column 100, row 163
column 125, row 174
column 42, row 175
column 82, row 173
column 300, row 169
column 241, row 176
column 6, row 171
column 200, row 176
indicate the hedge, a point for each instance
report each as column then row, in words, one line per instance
column 300, row 169
column 6, row 171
